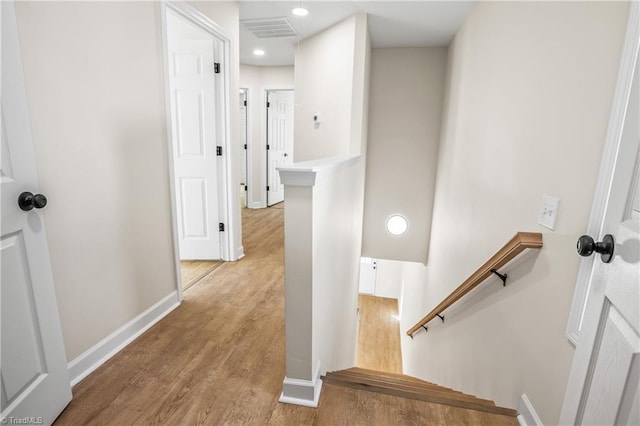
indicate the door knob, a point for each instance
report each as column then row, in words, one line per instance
column 27, row 201
column 586, row 246
column 286, row 155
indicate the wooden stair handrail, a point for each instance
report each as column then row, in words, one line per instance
column 520, row 242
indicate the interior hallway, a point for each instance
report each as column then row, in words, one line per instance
column 219, row 359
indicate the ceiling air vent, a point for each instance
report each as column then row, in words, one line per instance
column 269, row 27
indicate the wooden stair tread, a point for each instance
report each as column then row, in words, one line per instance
column 385, row 374
column 402, row 386
column 350, row 375
column 408, row 388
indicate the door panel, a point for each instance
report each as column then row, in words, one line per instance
column 190, row 122
column 34, row 374
column 18, row 309
column 192, row 83
column 194, row 208
column 603, row 384
column 280, row 141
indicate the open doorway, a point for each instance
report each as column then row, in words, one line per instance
column 197, row 93
column 379, row 302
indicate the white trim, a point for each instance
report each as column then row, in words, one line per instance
column 248, row 153
column 239, row 252
column 607, row 165
column 168, row 120
column 302, row 392
column 101, row 352
column 527, row 415
column 308, row 173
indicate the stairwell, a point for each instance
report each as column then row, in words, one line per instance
column 404, row 386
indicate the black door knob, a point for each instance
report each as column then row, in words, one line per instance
column 27, row 201
column 586, row 246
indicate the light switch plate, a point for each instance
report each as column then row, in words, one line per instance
column 548, row 212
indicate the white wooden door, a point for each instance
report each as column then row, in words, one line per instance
column 279, row 141
column 243, row 148
column 368, row 275
column 603, row 387
column 35, row 378
column 192, row 88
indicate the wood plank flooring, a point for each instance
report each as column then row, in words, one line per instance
column 379, row 334
column 219, row 359
column 193, row 271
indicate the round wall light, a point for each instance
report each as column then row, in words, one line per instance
column 397, row 224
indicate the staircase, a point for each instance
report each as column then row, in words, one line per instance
column 403, row 386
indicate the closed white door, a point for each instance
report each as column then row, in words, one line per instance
column 603, row 387
column 368, row 275
column 279, row 141
column 192, row 80
column 35, row 378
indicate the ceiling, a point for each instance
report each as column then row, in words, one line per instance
column 391, row 24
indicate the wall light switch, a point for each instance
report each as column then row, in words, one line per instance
column 317, row 118
column 548, row 212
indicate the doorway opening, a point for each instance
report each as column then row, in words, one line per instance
column 379, row 310
column 196, row 67
column 279, row 141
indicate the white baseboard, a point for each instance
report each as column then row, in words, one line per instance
column 302, row 392
column 239, row 252
column 527, row 415
column 257, row 205
column 85, row 364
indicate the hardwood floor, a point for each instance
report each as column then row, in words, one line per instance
column 219, row 359
column 379, row 335
column 193, row 271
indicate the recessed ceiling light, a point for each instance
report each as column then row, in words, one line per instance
column 258, row 52
column 300, row 11
column 397, row 224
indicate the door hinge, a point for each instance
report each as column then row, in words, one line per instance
column 267, row 187
column 245, row 146
column 218, row 151
column 268, row 104
column 246, row 187
column 216, row 67
column 268, row 146
column 221, row 227
column 245, row 103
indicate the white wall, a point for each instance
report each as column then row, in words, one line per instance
column 389, row 278
column 324, row 80
column 336, row 267
column 258, row 80
column 407, row 95
column 529, row 91
column 95, row 85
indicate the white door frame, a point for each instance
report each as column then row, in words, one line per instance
column 225, row 181
column 249, row 151
column 605, row 175
column 264, row 151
